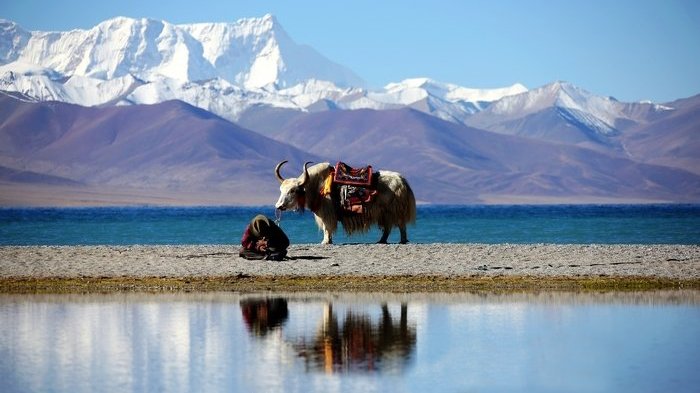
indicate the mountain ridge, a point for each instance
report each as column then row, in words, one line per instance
column 221, row 67
column 211, row 108
column 170, row 146
column 466, row 163
column 173, row 147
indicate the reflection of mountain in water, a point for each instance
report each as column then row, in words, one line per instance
column 360, row 344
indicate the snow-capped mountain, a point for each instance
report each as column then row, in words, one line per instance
column 413, row 90
column 232, row 68
column 225, row 68
column 563, row 112
column 603, row 110
column 444, row 100
column 251, row 53
column 45, row 84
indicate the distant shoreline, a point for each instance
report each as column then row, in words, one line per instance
column 28, row 195
column 364, row 267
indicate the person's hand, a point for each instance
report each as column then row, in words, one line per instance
column 261, row 245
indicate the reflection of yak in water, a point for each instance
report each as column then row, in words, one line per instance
column 360, row 344
column 264, row 315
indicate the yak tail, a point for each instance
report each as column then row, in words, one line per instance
column 411, row 208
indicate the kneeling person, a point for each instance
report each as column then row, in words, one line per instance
column 263, row 239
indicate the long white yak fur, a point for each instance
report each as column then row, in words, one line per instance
column 393, row 205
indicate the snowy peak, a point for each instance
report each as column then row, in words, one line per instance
column 144, row 47
column 423, row 87
column 116, row 48
column 564, row 113
column 221, row 67
column 570, row 96
column 228, row 68
column 247, row 52
column 444, row 100
column 251, row 53
column 257, row 53
column 561, row 95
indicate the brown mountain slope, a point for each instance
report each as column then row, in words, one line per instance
column 170, row 146
column 454, row 163
column 672, row 140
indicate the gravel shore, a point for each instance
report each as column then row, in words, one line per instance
column 681, row 262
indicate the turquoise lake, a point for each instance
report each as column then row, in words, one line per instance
column 560, row 224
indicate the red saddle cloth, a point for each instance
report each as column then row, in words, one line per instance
column 345, row 174
column 355, row 187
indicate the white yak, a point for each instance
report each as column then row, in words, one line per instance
column 393, row 205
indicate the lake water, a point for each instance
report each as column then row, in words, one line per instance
column 340, row 342
column 561, row 224
column 326, row 342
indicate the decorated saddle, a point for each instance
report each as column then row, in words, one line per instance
column 345, row 174
column 353, row 188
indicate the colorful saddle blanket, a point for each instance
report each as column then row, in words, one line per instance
column 356, row 187
column 345, row 174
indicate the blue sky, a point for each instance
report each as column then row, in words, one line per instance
column 632, row 50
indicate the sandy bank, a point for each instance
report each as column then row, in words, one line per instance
column 364, row 267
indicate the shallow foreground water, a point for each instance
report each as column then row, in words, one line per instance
column 348, row 342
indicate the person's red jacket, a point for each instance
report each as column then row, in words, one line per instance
column 248, row 240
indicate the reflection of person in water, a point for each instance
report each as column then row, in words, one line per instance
column 264, row 315
column 359, row 344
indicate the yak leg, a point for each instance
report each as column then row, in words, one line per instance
column 385, row 224
column 385, row 235
column 404, row 235
column 328, row 228
column 327, row 237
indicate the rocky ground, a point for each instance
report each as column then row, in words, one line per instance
column 362, row 266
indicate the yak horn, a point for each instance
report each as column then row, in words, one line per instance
column 305, row 177
column 277, row 171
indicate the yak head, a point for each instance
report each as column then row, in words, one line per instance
column 292, row 190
